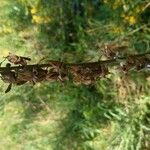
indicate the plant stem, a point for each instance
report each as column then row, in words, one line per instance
column 111, row 62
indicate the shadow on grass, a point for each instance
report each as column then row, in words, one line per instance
column 83, row 111
column 84, row 120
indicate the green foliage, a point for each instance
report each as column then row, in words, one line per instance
column 112, row 114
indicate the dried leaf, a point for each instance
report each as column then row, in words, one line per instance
column 17, row 59
column 52, row 76
column 8, row 76
column 113, row 50
column 39, row 74
column 25, row 74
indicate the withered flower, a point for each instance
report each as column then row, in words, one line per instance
column 78, row 80
column 56, row 76
column 39, row 74
column 25, row 75
column 56, row 65
column 17, row 59
column 142, row 62
column 52, row 76
column 8, row 76
column 113, row 50
column 133, row 62
column 59, row 70
column 88, row 74
column 33, row 75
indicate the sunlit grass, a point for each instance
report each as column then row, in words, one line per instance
column 63, row 116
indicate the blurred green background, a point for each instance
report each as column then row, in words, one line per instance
column 113, row 114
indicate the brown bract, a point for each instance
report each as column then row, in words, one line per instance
column 17, row 59
column 33, row 75
column 10, row 77
column 55, row 76
column 88, row 74
column 133, row 62
column 113, row 50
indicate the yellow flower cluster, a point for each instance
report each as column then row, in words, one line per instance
column 6, row 30
column 129, row 15
column 34, row 10
column 117, row 30
column 130, row 19
column 116, row 4
column 40, row 20
column 37, row 18
column 106, row 1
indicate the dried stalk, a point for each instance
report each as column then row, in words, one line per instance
column 111, row 62
column 81, row 73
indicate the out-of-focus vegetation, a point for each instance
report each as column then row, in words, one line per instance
column 113, row 114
